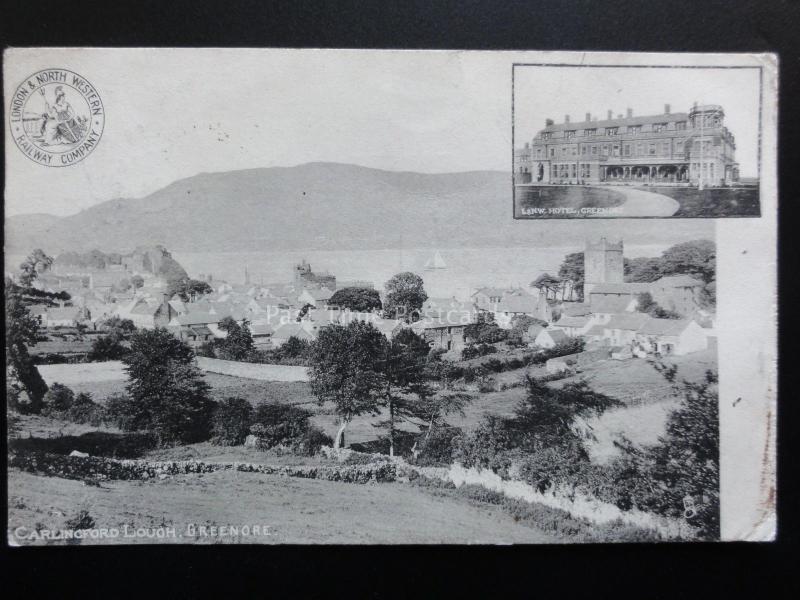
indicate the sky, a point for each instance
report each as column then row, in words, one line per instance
column 173, row 113
column 551, row 92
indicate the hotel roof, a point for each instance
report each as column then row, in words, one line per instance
column 644, row 120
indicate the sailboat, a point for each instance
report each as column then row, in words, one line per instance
column 435, row 262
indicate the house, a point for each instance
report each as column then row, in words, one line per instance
column 446, row 332
column 435, row 307
column 678, row 293
column 315, row 297
column 574, row 326
column 147, row 313
column 603, row 307
column 262, row 334
column 505, row 304
column 621, row 329
column 548, row 338
column 672, row 336
column 196, row 335
column 388, row 327
column 530, row 335
column 68, row 316
column 283, row 332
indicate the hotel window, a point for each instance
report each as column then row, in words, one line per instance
column 712, row 170
column 583, row 149
column 552, row 152
column 627, row 149
column 612, row 130
column 555, row 171
column 680, row 125
column 652, row 149
column 574, row 171
column 639, row 149
column 569, row 134
column 679, row 146
column 666, row 147
column 546, row 135
column 574, row 151
column 594, row 149
column 659, row 127
column 539, row 153
column 605, row 149
column 590, row 132
column 563, row 149
column 615, row 149
column 634, row 129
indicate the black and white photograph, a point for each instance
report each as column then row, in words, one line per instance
column 297, row 310
column 636, row 141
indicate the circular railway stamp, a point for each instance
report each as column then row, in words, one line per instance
column 56, row 117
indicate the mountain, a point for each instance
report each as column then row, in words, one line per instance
column 315, row 206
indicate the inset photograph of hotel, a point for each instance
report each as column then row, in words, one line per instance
column 636, row 141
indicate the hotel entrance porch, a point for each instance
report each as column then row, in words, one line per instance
column 645, row 174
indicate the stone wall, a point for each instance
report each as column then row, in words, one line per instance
column 253, row 370
column 98, row 468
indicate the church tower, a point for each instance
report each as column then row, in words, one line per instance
column 602, row 263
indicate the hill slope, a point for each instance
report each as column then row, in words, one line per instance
column 317, row 205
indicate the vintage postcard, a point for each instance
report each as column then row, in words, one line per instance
column 271, row 296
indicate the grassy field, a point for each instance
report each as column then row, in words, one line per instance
column 713, row 202
column 294, row 511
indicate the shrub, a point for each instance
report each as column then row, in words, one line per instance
column 231, row 422
column 108, row 347
column 312, row 441
column 84, row 410
column 487, row 385
column 437, row 448
column 476, row 350
column 121, row 410
column 57, row 399
column 279, row 424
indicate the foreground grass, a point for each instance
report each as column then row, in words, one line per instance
column 296, row 511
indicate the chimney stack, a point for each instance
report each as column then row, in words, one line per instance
column 548, row 122
column 666, row 109
column 588, row 117
column 566, row 118
column 610, row 115
column 630, row 113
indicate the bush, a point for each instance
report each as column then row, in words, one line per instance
column 231, row 422
column 312, row 441
column 84, row 410
column 279, row 424
column 108, row 347
column 476, row 350
column 436, row 450
column 57, row 399
column 121, row 411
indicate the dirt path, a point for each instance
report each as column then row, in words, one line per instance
column 639, row 203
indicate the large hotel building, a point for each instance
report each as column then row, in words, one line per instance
column 693, row 148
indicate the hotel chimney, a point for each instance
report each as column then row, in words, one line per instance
column 588, row 116
column 548, row 122
column 666, row 109
column 630, row 113
column 566, row 118
column 610, row 115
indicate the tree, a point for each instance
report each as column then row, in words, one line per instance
column 646, row 304
column 403, row 375
column 294, row 348
column 343, row 371
column 137, row 281
column 356, row 299
column 433, row 409
column 520, row 325
column 231, row 422
column 572, row 269
column 696, row 258
column 642, row 269
column 22, row 330
column 238, row 343
column 167, row 390
column 405, row 296
column 107, row 347
column 118, row 326
column 485, row 330
column 188, row 289
column 550, row 284
column 36, row 262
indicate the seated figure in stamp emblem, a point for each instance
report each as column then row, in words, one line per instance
column 60, row 124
